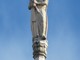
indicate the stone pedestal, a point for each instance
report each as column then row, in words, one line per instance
column 40, row 58
column 39, row 49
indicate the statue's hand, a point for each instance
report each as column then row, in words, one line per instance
column 35, row 2
column 34, row 5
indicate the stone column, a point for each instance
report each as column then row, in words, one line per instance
column 39, row 49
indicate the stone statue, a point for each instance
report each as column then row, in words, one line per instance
column 39, row 27
column 39, row 23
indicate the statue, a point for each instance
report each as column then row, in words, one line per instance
column 39, row 21
column 39, row 27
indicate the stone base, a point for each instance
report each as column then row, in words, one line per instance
column 39, row 49
column 40, row 58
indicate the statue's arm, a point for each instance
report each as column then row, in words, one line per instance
column 31, row 5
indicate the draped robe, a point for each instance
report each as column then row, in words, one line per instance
column 39, row 21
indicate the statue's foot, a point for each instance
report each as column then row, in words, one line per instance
column 35, row 37
column 43, row 38
column 40, row 37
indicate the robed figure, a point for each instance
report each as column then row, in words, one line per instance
column 39, row 21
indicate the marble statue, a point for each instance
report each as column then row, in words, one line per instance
column 39, row 27
column 39, row 21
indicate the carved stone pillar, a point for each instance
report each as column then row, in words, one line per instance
column 39, row 49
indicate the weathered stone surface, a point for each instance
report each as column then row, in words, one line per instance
column 40, row 58
column 39, row 27
column 40, row 48
column 39, row 23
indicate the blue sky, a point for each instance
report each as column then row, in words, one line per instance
column 63, row 33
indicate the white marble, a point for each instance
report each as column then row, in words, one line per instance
column 40, row 58
column 39, row 28
column 39, row 23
